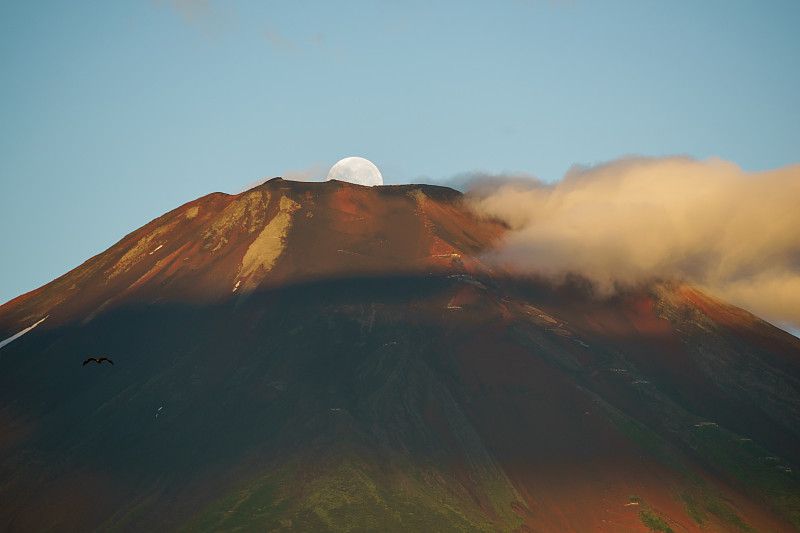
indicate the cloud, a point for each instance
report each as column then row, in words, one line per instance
column 211, row 16
column 278, row 41
column 735, row 234
column 315, row 172
column 191, row 10
column 481, row 184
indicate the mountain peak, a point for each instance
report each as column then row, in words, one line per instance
column 221, row 246
column 329, row 356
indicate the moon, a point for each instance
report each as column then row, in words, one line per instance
column 356, row 170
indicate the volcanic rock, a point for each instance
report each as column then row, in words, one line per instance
column 327, row 356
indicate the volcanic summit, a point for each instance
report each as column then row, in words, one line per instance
column 334, row 357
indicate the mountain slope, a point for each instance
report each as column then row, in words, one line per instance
column 325, row 356
column 206, row 250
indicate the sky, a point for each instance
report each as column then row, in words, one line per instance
column 113, row 113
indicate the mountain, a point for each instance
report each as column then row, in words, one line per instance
column 327, row 356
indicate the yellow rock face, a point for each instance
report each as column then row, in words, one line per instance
column 268, row 246
column 247, row 212
column 142, row 247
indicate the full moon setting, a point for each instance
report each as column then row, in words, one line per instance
column 356, row 170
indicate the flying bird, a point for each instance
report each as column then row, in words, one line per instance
column 98, row 361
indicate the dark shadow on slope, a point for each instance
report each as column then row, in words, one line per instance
column 387, row 370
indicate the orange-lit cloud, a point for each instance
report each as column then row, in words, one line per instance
column 734, row 233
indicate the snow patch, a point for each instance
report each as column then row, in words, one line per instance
column 157, row 249
column 21, row 333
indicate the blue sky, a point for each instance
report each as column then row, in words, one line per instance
column 112, row 113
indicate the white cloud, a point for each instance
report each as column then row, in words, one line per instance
column 209, row 15
column 278, row 41
column 734, row 233
column 315, row 172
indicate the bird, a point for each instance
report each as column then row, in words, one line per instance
column 98, row 361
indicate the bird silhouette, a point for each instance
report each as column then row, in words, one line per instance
column 98, row 361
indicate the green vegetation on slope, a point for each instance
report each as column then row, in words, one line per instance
column 257, row 507
column 650, row 518
column 764, row 475
column 654, row 522
column 722, row 511
column 353, row 497
column 693, row 509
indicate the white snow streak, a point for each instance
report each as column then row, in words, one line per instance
column 21, row 333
